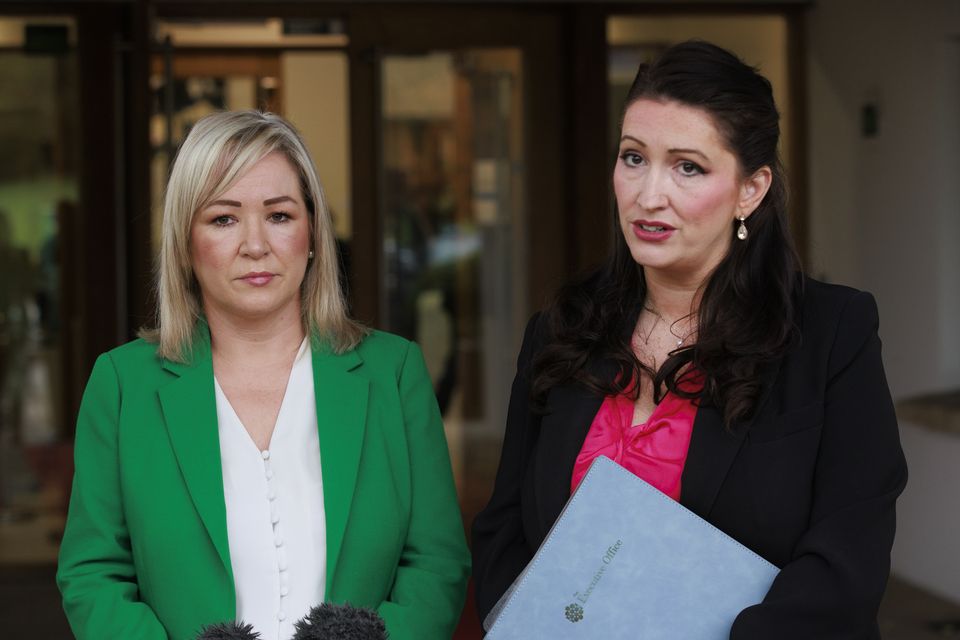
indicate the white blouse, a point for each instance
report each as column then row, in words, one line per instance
column 275, row 519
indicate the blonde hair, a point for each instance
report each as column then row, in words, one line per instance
column 221, row 148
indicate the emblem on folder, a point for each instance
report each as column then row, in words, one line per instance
column 574, row 612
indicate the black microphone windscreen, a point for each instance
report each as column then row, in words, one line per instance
column 228, row 631
column 340, row 622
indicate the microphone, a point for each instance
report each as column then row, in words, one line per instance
column 228, row 631
column 339, row 622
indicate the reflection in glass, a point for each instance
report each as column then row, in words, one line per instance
column 451, row 206
column 186, row 87
column 38, row 207
column 309, row 88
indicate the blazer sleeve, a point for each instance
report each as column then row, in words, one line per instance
column 833, row 584
column 430, row 584
column 96, row 574
column 500, row 548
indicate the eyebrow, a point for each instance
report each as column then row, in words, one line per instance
column 278, row 199
column 266, row 203
column 672, row 151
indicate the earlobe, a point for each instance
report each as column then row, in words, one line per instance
column 753, row 190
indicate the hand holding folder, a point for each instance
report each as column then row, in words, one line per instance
column 625, row 561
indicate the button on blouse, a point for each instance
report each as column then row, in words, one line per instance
column 276, row 526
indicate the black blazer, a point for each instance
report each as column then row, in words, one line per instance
column 809, row 483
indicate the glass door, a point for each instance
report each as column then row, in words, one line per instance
column 203, row 65
column 452, row 262
column 39, row 212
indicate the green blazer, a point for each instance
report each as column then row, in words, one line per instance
column 145, row 552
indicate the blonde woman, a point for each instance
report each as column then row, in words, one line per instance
column 257, row 452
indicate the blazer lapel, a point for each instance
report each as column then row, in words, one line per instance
column 341, row 399
column 190, row 412
column 713, row 449
column 570, row 410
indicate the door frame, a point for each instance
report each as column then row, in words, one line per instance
column 412, row 31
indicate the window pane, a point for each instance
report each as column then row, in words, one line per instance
column 452, row 193
column 38, row 208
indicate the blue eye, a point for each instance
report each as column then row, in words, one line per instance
column 222, row 221
column 279, row 217
column 631, row 158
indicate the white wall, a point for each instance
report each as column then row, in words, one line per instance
column 883, row 209
column 927, row 551
column 949, row 248
column 885, row 216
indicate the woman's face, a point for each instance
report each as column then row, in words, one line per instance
column 679, row 189
column 249, row 247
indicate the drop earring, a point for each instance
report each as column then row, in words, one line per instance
column 742, row 229
column 310, row 255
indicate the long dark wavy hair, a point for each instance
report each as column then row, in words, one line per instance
column 746, row 307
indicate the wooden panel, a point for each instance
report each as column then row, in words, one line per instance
column 590, row 165
column 140, row 306
column 220, row 63
column 94, row 325
column 799, row 169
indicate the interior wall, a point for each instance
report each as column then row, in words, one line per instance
column 926, row 550
column 884, row 208
column 885, row 217
column 949, row 170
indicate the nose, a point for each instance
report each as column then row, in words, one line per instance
column 652, row 195
column 254, row 243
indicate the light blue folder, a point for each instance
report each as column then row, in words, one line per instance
column 625, row 561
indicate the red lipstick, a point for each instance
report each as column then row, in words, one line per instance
column 651, row 230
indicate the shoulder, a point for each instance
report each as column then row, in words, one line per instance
column 387, row 354
column 538, row 332
column 836, row 321
column 578, row 294
column 825, row 306
column 381, row 346
column 136, row 355
column 135, row 350
column 134, row 365
column 827, row 297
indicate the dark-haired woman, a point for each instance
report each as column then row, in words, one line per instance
column 699, row 358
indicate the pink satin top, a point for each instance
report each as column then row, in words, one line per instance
column 655, row 450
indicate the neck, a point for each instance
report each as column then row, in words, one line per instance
column 673, row 298
column 263, row 340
